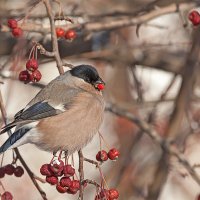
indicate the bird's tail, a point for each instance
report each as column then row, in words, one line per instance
column 15, row 139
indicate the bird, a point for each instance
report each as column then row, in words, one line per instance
column 63, row 116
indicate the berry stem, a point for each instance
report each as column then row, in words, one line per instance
column 100, row 143
column 2, row 160
column 31, row 55
column 103, row 178
column 36, row 52
column 101, row 137
column 2, row 186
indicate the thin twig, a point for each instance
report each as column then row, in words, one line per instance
column 113, row 23
column 43, row 51
column 148, row 129
column 92, row 182
column 81, row 174
column 30, row 173
column 92, row 162
column 54, row 38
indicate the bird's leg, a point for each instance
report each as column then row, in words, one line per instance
column 66, row 157
column 54, row 153
column 60, row 154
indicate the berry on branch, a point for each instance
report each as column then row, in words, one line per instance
column 19, row 171
column 194, row 17
column 70, row 34
column 60, row 32
column 6, row 196
column 113, row 154
column 102, row 156
column 17, row 32
column 12, row 23
column 32, row 65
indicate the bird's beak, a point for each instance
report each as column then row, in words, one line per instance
column 98, row 83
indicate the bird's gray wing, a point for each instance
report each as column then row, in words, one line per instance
column 50, row 106
column 35, row 112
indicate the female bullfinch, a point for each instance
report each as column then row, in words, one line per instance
column 64, row 115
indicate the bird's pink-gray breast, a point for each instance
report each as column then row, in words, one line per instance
column 74, row 128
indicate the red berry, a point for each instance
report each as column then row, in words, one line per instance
column 19, row 171
column 113, row 194
column 102, row 156
column 32, row 65
column 61, row 189
column 113, row 154
column 76, row 184
column 53, row 180
column 71, row 190
column 12, row 23
column 9, row 169
column 57, row 166
column 6, row 196
column 35, row 76
column 45, row 170
column 70, row 34
column 194, row 17
column 68, row 170
column 17, row 32
column 60, row 32
column 24, row 76
column 2, row 172
column 65, row 182
column 100, row 86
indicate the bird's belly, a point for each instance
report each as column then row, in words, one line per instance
column 70, row 135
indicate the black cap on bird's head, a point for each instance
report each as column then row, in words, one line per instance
column 88, row 73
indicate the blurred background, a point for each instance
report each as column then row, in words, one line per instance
column 147, row 51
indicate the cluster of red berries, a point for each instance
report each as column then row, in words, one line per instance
column 16, row 31
column 31, row 74
column 62, row 175
column 6, row 196
column 102, row 155
column 68, row 35
column 194, row 17
column 10, row 170
column 110, row 194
